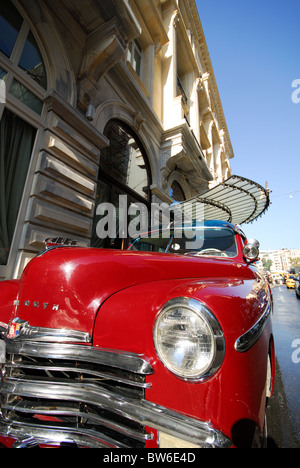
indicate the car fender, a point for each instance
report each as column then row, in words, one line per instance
column 236, row 394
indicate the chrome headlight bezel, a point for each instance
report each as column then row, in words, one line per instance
column 201, row 312
column 251, row 250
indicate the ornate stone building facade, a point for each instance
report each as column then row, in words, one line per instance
column 101, row 98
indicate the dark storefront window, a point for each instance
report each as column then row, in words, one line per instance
column 124, row 181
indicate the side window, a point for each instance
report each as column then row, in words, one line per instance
column 135, row 57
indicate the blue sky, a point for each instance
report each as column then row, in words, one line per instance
column 255, row 51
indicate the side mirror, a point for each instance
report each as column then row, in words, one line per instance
column 251, row 250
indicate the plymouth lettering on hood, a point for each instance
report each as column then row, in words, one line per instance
column 37, row 304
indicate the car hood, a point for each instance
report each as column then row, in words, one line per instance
column 64, row 287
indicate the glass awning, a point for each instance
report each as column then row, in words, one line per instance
column 237, row 200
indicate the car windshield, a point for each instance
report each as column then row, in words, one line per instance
column 199, row 241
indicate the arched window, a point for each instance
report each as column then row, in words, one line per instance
column 23, row 82
column 21, row 64
column 176, row 192
column 124, row 181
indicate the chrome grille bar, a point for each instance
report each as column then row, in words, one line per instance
column 116, row 359
column 73, row 410
column 37, row 434
column 91, row 375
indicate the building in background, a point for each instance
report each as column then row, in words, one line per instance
column 282, row 260
column 102, row 98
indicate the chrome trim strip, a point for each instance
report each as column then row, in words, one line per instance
column 2, row 352
column 28, row 442
column 246, row 341
column 50, row 335
column 141, row 411
column 127, row 361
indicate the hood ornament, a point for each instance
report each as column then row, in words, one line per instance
column 59, row 241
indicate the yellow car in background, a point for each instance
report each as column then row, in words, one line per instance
column 290, row 282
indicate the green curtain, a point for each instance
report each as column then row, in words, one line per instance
column 16, row 143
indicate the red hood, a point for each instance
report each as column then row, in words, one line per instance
column 65, row 287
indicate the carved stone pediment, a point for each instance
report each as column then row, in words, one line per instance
column 104, row 49
column 182, row 153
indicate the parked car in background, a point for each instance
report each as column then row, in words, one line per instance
column 167, row 344
column 277, row 278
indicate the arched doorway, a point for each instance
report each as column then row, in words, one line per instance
column 123, row 183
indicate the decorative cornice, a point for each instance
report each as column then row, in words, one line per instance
column 209, row 69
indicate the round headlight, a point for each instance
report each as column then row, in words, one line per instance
column 188, row 339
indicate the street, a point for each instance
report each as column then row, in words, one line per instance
column 283, row 411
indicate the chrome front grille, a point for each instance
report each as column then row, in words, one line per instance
column 58, row 393
column 57, row 389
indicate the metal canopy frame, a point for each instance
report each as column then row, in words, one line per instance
column 237, row 200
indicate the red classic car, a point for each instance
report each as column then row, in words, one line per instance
column 167, row 344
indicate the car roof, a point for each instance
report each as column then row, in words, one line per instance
column 211, row 224
column 214, row 223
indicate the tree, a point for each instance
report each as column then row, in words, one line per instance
column 295, row 261
column 267, row 263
